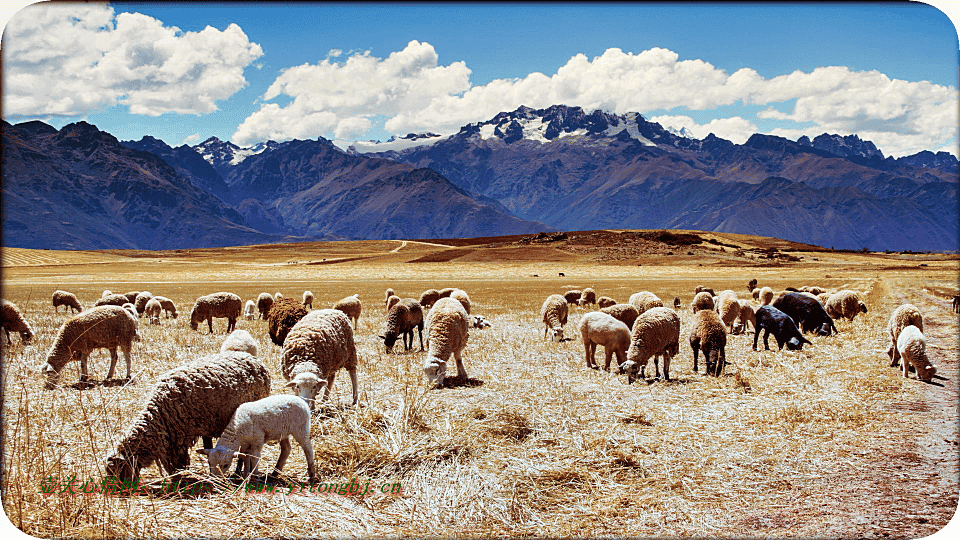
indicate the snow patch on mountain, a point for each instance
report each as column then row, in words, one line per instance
column 392, row 144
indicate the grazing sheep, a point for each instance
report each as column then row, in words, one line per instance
column 846, row 304
column 277, row 297
column 241, row 341
column 352, row 307
column 676, row 303
column 823, row 298
column 315, row 349
column 249, row 310
column 479, row 321
column 656, row 333
column 905, row 315
column 573, row 297
column 402, row 318
column 554, row 312
column 701, row 288
column 709, row 335
column 100, row 327
column 588, row 296
column 956, row 303
column 447, row 333
column 751, row 285
column 64, row 298
column 392, row 301
column 461, row 295
column 605, row 301
column 446, row 292
column 111, row 300
column 282, row 317
column 598, row 328
column 132, row 296
column 772, row 320
column 428, row 298
column 766, row 296
column 625, row 313
column 254, row 423
column 264, row 303
column 806, row 312
column 221, row 304
column 387, row 298
column 169, row 308
column 747, row 315
column 912, row 346
column 307, row 299
column 702, row 300
column 728, row 308
column 141, row 301
column 152, row 311
column 756, row 295
column 645, row 300
column 11, row 318
column 192, row 401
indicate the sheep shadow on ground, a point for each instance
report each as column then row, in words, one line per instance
column 92, row 383
column 454, row 382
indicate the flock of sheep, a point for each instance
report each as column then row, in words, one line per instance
column 227, row 394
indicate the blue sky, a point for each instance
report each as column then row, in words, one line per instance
column 887, row 72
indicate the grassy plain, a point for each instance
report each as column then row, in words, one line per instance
column 826, row 442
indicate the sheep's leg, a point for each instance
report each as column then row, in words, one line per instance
column 906, row 367
column 766, row 339
column 356, row 388
column 284, row 453
column 666, row 366
column 420, row 333
column 894, row 355
column 461, row 371
column 696, row 346
column 231, row 324
column 656, row 365
column 126, row 357
column 210, row 323
column 607, row 356
column 113, row 362
column 83, row 364
column 326, row 391
column 588, row 352
column 303, row 439
column 254, row 458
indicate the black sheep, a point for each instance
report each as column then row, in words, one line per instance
column 771, row 319
column 807, row 312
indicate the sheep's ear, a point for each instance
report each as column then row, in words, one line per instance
column 291, row 384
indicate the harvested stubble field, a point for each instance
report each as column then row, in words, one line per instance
column 826, row 442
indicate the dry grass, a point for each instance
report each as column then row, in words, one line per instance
column 784, row 444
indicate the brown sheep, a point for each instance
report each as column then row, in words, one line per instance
column 64, row 298
column 281, row 318
column 12, row 319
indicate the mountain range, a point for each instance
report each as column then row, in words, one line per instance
column 523, row 171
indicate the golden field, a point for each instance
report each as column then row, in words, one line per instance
column 826, row 442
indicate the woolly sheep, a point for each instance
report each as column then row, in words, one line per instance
column 645, row 300
column 141, row 301
column 756, row 295
column 479, row 321
column 785, row 331
column 241, row 341
column 249, row 310
column 598, row 328
column 264, row 303
column 588, row 296
column 446, row 292
column 277, row 296
column 254, row 423
column 846, row 304
column 447, row 331
column 823, row 298
column 392, row 301
column 709, row 335
column 728, row 308
column 282, row 317
column 912, row 346
column 605, row 301
column 747, row 315
column 132, row 296
column 318, row 346
column 806, row 312
column 221, row 305
column 307, row 299
column 702, row 300
column 554, row 312
column 387, row 298
column 11, row 318
column 656, row 333
column 192, row 401
column 112, row 300
column 701, row 288
column 169, row 308
column 132, row 309
column 573, row 297
column 903, row 316
column 352, row 307
column 766, row 296
column 152, row 311
column 625, row 313
column 428, row 298
column 462, row 297
column 64, row 298
column 101, row 327
column 752, row 284
column 402, row 318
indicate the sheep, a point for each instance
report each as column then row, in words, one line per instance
column 747, row 315
column 656, row 333
column 315, row 349
column 105, row 293
column 645, row 300
column 241, row 341
column 709, row 335
column 905, row 315
column 554, row 312
column 702, row 300
column 701, row 288
column 461, row 295
column 756, row 295
column 728, row 308
column 766, row 296
column 221, row 304
column 132, row 309
column 264, row 303
column 573, row 297
column 111, row 300
column 11, row 318
column 846, row 304
column 588, row 296
column 814, row 290
column 352, row 307
column 605, row 301
column 152, row 311
column 277, row 296
column 823, row 298
column 192, row 401
column 446, row 292
column 772, row 320
column 751, row 285
column 402, row 318
column 392, row 301
column 249, row 310
column 141, row 301
column 282, row 317
column 132, row 296
column 307, row 299
column 64, row 298
column 479, row 321
column 447, row 333
column 625, row 313
column 100, row 327
column 956, row 303
column 389, row 294
column 806, row 312
column 254, row 423
column 598, row 328
column 676, row 303
column 169, row 308
column 428, row 298
column 912, row 347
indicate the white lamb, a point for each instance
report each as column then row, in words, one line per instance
column 241, row 341
column 554, row 314
column 273, row 418
column 250, row 310
column 447, row 330
column 598, row 328
column 912, row 346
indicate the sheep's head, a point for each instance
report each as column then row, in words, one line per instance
column 307, row 385
column 863, row 307
column 631, row 368
column 824, row 329
column 194, row 319
column 925, row 370
column 389, row 339
column 435, row 370
column 796, row 343
column 220, row 458
column 556, row 334
column 51, row 375
column 123, row 467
